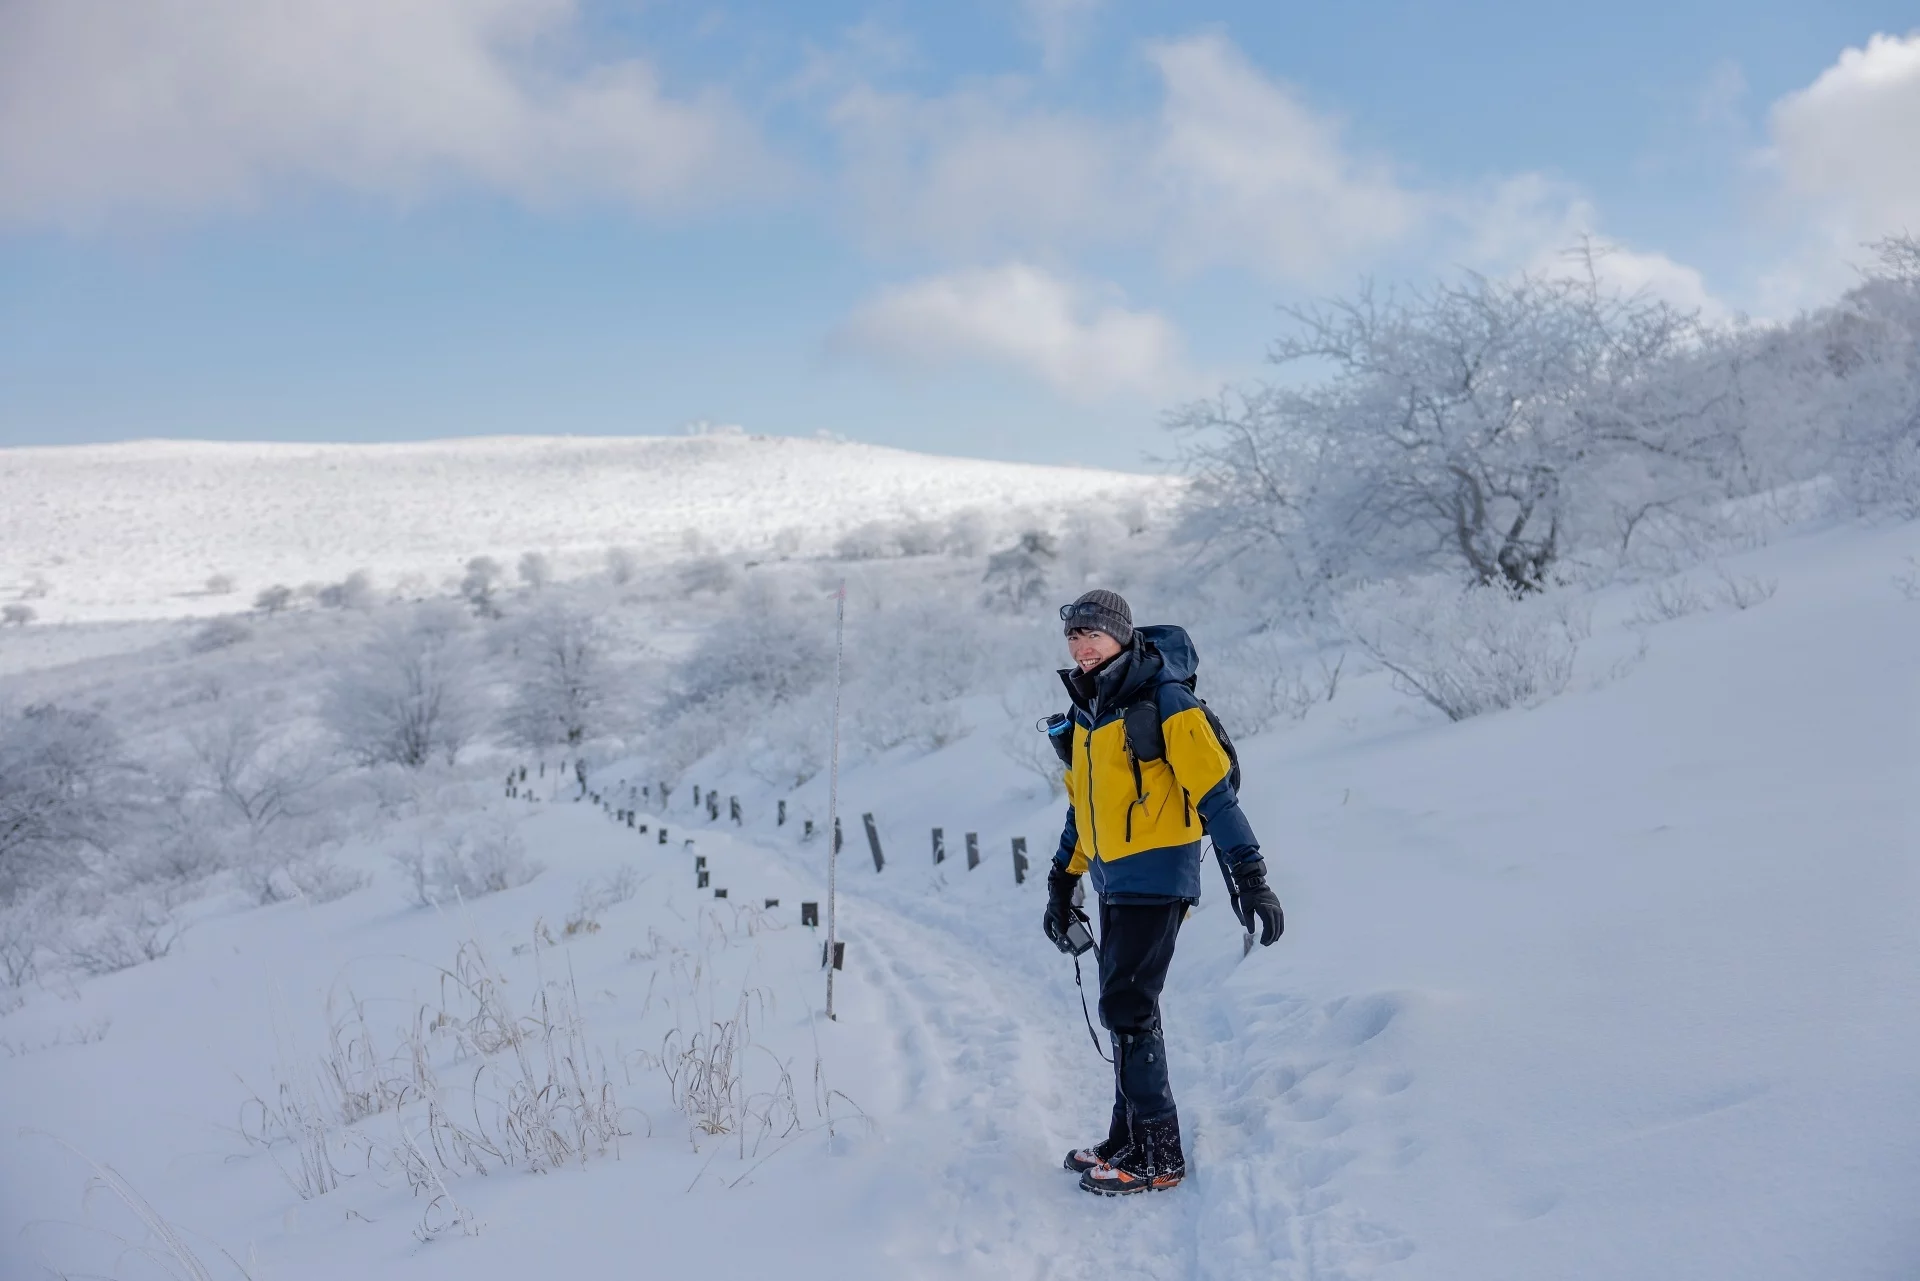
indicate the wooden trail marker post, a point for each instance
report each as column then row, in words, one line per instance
column 939, row 846
column 1019, row 860
column 973, row 850
column 873, row 843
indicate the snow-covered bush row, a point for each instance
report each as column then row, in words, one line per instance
column 1513, row 431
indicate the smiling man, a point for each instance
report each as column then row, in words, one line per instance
column 1148, row 775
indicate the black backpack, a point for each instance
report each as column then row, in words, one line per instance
column 1147, row 741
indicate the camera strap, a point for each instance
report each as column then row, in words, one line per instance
column 1084, row 1012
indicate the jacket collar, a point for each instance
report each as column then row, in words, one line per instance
column 1116, row 682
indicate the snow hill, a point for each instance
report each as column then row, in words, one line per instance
column 1618, row 987
column 120, row 531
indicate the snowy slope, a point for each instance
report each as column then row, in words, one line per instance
column 135, row 530
column 1617, row 987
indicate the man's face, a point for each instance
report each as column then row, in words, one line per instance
column 1090, row 648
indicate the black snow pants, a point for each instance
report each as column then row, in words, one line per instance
column 1136, row 945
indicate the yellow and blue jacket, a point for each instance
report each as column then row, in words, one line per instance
column 1137, row 825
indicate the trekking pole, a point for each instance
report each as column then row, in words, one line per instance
column 833, row 782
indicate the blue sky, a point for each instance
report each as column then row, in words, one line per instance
column 1011, row 228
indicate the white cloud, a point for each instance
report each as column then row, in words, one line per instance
column 1842, row 150
column 1533, row 224
column 1849, row 141
column 110, row 108
column 1249, row 175
column 1018, row 317
column 1231, row 169
column 1058, row 26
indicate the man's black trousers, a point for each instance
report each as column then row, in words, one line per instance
column 1136, row 945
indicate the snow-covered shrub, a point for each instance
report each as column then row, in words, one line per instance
column 599, row 894
column 710, row 573
column 919, row 537
column 563, row 684
column 1744, row 591
column 353, row 592
column 16, row 615
column 1252, row 685
column 219, row 633
column 968, row 532
column 870, row 540
column 763, row 655
column 910, row 667
column 1464, row 651
column 622, row 564
column 536, row 571
column 1026, row 700
column 131, row 931
column 219, row 585
column 787, row 744
column 24, row 930
column 1907, row 580
column 317, row 877
column 272, row 600
column 482, row 858
column 1665, row 601
column 411, row 693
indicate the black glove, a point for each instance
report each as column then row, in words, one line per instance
column 1255, row 901
column 1060, row 908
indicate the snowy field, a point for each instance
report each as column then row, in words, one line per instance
column 119, row 531
column 1620, row 985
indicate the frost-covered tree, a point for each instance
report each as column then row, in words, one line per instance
column 355, row 591
column 61, row 787
column 413, row 691
column 482, row 580
column 1017, row 577
column 16, row 615
column 536, row 571
column 258, row 778
column 1483, row 426
column 272, row 600
column 563, row 683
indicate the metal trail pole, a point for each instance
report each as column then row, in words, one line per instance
column 833, row 782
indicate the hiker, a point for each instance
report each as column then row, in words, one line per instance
column 1148, row 775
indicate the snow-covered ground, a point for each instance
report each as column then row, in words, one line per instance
column 105, row 532
column 1620, row 986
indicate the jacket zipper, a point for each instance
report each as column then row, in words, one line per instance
column 1093, row 826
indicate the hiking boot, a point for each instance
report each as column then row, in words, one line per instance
column 1153, row 1163
column 1080, row 1160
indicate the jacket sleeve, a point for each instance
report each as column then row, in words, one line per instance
column 1202, row 767
column 1070, row 856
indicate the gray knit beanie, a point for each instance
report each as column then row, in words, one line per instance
column 1102, row 611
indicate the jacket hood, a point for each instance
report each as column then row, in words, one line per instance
column 1179, row 660
column 1155, row 656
